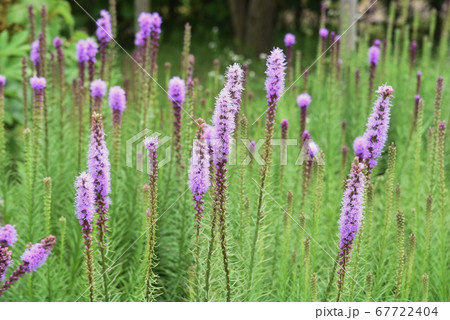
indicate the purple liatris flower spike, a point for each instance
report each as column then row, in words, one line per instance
column 35, row 255
column 374, row 54
column 99, row 169
column 91, row 48
column 313, row 149
column 5, row 262
column 35, row 53
column 155, row 25
column 323, row 32
column 199, row 173
column 275, row 72
column 176, row 93
column 104, row 30
column 378, row 125
column 8, row 235
column 145, row 21
column 289, row 40
column 360, row 148
column 84, row 210
column 81, row 51
column 2, row 80
column 223, row 121
column 57, row 42
column 234, row 85
column 38, row 84
column 84, row 201
column 351, row 216
column 284, row 128
column 98, row 91
column 117, row 102
column 303, row 101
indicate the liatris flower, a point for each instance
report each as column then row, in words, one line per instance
column 82, row 58
column 176, row 94
column 155, row 32
column 312, row 150
column 276, row 65
column 5, row 261
column 144, row 20
column 34, row 54
column 99, row 169
column 289, row 41
column 104, row 31
column 8, row 235
column 98, row 91
column 104, row 35
column 84, row 210
column 33, row 257
column 91, row 53
column 223, row 121
column 38, row 85
column 360, row 148
column 374, row 56
column 234, row 85
column 378, row 126
column 412, row 54
column 303, row 101
column 151, row 143
column 118, row 103
column 419, row 76
column 351, row 216
column 199, row 175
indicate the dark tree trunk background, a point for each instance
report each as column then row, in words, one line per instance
column 253, row 22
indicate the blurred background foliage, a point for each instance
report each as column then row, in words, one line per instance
column 231, row 30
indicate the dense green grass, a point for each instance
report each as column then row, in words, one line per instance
column 284, row 264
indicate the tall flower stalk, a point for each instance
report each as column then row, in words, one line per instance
column 377, row 127
column 276, row 65
column 177, row 93
column 38, row 85
column 8, row 237
column 374, row 57
column 289, row 41
column 104, row 36
column 118, row 103
column 151, row 145
column 84, row 211
column 351, row 216
column 91, row 53
column 99, row 169
column 303, row 101
column 199, row 176
column 33, row 257
column 223, row 121
column 98, row 91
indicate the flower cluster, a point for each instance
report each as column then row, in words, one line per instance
column 104, row 30
column 234, row 85
column 35, row 255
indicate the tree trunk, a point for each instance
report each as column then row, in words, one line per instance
column 260, row 24
column 140, row 6
column 347, row 17
column 238, row 11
